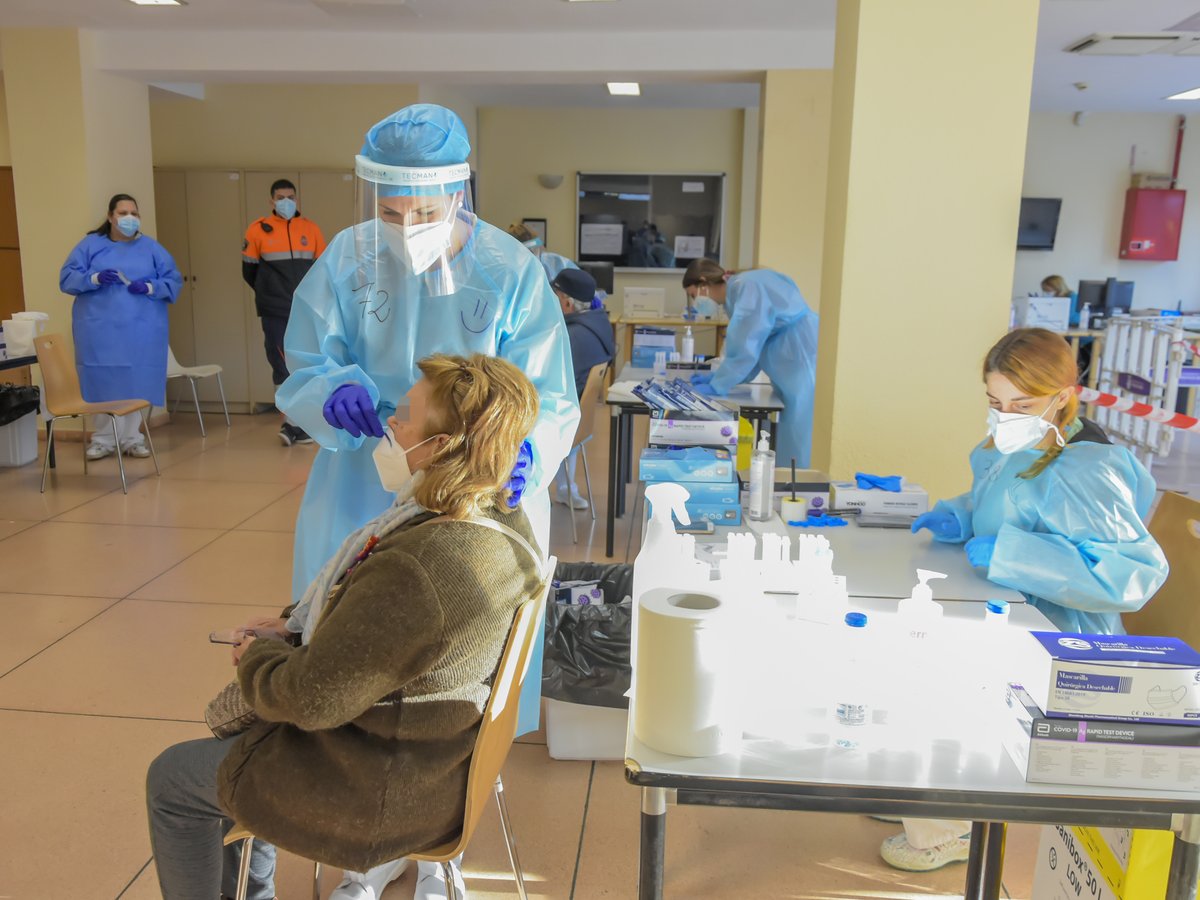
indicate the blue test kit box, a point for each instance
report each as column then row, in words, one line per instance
column 686, row 465
column 1116, row 676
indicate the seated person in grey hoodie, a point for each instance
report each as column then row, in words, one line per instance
column 592, row 343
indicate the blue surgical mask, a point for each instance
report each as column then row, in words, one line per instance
column 129, row 225
column 286, row 207
column 706, row 307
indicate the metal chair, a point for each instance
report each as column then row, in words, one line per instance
column 64, row 400
column 492, row 744
column 588, row 402
column 1173, row 611
column 191, row 373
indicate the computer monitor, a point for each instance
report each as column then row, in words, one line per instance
column 1118, row 296
column 1091, row 293
column 602, row 272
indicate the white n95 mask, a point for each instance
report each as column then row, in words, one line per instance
column 1014, row 432
column 391, row 462
column 421, row 245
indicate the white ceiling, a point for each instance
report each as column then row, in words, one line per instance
column 554, row 53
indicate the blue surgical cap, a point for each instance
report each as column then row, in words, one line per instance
column 420, row 136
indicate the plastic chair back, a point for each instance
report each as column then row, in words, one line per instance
column 174, row 369
column 63, row 394
column 1175, row 610
column 499, row 726
column 588, row 402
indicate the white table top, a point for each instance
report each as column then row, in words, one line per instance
column 948, row 742
column 883, row 562
column 759, row 396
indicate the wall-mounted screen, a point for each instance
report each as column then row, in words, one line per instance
column 649, row 221
column 1039, row 223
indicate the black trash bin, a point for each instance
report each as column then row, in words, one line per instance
column 586, row 666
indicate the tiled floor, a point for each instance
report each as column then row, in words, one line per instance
column 107, row 600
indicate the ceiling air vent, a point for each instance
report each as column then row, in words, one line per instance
column 1129, row 44
column 365, row 8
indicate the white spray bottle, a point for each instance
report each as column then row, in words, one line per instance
column 687, row 346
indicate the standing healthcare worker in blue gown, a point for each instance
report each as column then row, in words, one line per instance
column 418, row 274
column 122, row 282
column 1054, row 512
column 770, row 328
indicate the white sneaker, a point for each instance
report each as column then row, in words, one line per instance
column 898, row 853
column 369, row 885
column 141, row 451
column 98, row 451
column 431, row 882
column 576, row 501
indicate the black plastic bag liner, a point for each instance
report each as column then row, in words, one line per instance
column 587, row 647
column 17, row 400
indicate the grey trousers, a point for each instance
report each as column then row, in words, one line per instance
column 187, row 825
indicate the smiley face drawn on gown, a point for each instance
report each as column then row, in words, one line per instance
column 479, row 318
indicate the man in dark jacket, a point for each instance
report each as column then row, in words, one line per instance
column 592, row 343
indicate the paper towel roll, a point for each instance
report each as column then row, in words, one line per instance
column 685, row 695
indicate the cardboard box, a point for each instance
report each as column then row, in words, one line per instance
column 911, row 501
column 645, row 301
column 717, row 513
column 694, row 428
column 576, row 731
column 1102, row 753
column 1122, row 677
column 686, row 464
column 709, row 493
column 1101, row 864
column 649, row 340
column 579, row 593
column 1053, row 313
column 812, row 486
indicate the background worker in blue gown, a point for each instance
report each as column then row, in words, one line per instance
column 1055, row 512
column 770, row 328
column 122, row 281
column 552, row 262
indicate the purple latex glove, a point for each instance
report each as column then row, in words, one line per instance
column 943, row 525
column 139, row 287
column 701, row 378
column 980, row 550
column 350, row 408
column 109, row 276
column 516, row 481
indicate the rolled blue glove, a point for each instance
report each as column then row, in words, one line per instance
column 820, row 520
column 109, row 276
column 516, row 481
column 980, row 550
column 350, row 408
column 942, row 525
column 705, row 388
column 867, row 482
column 701, row 378
column 139, row 287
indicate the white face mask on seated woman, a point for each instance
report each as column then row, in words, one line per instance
column 406, row 425
column 1014, row 432
column 391, row 462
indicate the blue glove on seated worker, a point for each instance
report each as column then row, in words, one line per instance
column 701, row 378
column 980, row 550
column 139, row 287
column 350, row 408
column 516, row 481
column 942, row 525
column 867, row 482
column 109, row 276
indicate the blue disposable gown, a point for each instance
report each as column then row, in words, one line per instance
column 342, row 330
column 120, row 338
column 554, row 263
column 1072, row 540
column 772, row 328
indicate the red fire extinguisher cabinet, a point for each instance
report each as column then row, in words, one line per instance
column 1153, row 221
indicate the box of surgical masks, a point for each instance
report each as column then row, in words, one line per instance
column 1053, row 313
column 912, row 499
column 686, row 464
column 1100, row 752
column 579, row 593
column 1115, row 676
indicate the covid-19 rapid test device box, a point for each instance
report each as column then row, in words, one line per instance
column 1115, row 676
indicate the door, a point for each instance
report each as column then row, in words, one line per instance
column 170, row 202
column 328, row 200
column 219, row 295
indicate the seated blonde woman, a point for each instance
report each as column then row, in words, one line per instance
column 367, row 722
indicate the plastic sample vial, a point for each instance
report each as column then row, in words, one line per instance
column 851, row 708
column 996, row 613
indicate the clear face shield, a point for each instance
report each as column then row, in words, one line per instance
column 415, row 228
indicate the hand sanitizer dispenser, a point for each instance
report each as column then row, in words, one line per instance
column 919, row 613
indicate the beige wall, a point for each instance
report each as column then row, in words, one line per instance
column 1087, row 165
column 5, row 149
column 793, row 161
column 271, row 126
column 924, row 187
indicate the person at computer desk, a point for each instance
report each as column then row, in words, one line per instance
column 1056, row 286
